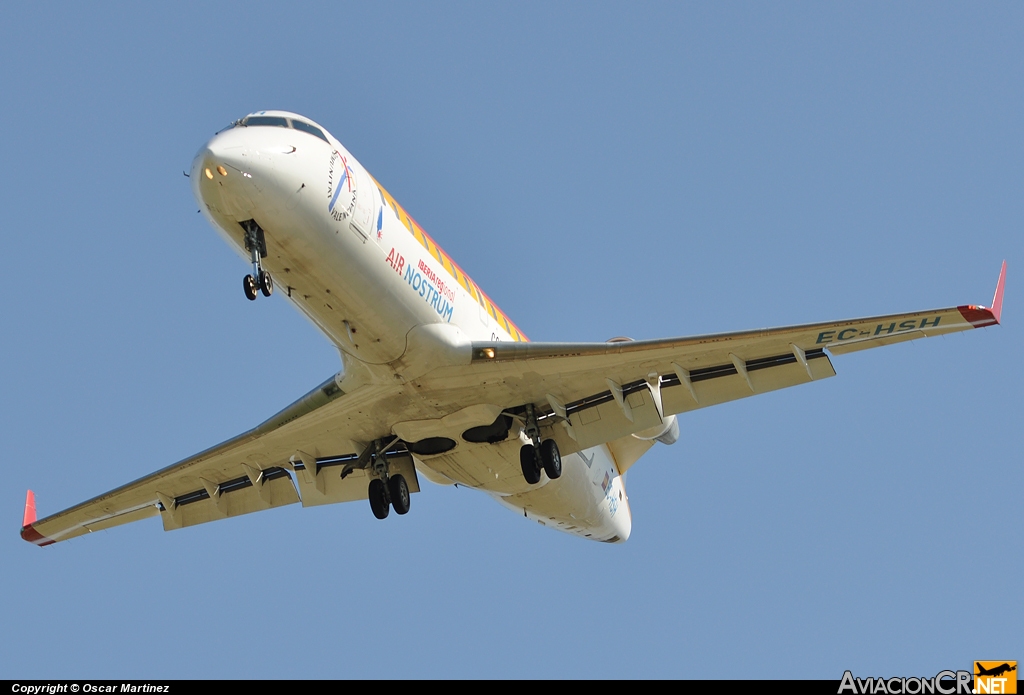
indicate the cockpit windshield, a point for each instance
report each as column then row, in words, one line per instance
column 308, row 128
column 282, row 122
column 266, row 120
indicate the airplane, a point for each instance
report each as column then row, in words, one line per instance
column 436, row 381
column 995, row 671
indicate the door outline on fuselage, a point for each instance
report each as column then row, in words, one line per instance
column 364, row 208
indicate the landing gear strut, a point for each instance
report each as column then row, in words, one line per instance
column 256, row 245
column 541, row 454
column 385, row 491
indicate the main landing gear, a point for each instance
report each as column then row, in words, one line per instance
column 394, row 493
column 540, row 455
column 256, row 245
column 386, row 490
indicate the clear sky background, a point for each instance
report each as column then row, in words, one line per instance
column 633, row 169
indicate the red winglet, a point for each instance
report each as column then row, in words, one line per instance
column 30, row 509
column 997, row 298
column 979, row 316
column 27, row 532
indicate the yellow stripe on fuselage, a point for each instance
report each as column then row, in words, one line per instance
column 449, row 265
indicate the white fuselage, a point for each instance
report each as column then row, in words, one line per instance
column 352, row 261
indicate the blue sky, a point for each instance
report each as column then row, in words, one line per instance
column 600, row 169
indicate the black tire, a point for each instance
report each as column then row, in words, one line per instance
column 551, row 458
column 378, row 499
column 399, row 493
column 266, row 283
column 528, row 462
column 249, row 285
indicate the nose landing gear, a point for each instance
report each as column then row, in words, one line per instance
column 540, row 455
column 256, row 245
column 264, row 284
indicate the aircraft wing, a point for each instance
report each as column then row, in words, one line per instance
column 600, row 392
column 249, row 473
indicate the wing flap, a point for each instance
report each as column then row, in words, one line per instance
column 601, row 422
column 326, row 486
column 726, row 384
column 599, row 419
column 272, row 488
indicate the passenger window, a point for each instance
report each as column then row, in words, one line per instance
column 266, row 120
column 307, row 128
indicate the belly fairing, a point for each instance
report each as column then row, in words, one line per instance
column 588, row 500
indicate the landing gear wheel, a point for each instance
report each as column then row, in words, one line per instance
column 249, row 285
column 551, row 459
column 399, row 490
column 266, row 283
column 379, row 499
column 528, row 462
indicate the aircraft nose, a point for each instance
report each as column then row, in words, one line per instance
column 222, row 175
column 227, row 150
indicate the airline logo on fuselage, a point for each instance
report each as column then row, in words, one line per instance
column 610, row 493
column 340, row 190
column 425, row 282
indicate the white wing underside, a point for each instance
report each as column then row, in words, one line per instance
column 588, row 393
